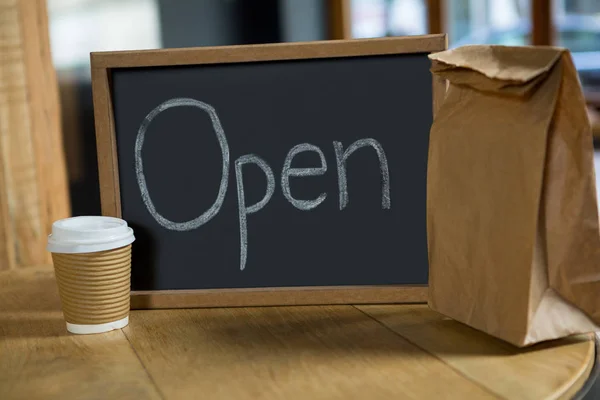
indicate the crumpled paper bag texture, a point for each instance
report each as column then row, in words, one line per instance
column 512, row 214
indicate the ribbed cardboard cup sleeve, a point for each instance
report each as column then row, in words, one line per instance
column 94, row 287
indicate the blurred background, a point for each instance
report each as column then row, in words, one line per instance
column 78, row 27
column 48, row 163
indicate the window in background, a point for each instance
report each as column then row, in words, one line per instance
column 78, row 27
column 577, row 27
column 378, row 18
column 506, row 22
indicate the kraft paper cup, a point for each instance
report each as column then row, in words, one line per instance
column 92, row 263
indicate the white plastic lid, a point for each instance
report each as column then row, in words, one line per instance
column 89, row 234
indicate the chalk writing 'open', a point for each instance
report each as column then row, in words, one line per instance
column 287, row 171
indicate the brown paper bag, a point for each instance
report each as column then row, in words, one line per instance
column 512, row 213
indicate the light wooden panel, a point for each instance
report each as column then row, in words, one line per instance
column 33, row 184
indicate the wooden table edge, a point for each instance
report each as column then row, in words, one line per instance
column 588, row 376
column 583, row 379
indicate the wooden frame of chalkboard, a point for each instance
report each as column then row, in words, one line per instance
column 102, row 63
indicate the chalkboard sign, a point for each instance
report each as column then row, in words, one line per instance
column 270, row 174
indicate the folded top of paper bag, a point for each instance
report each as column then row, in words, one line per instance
column 502, row 62
column 511, row 70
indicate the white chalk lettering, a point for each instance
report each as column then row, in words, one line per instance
column 289, row 171
column 342, row 156
column 243, row 210
column 139, row 168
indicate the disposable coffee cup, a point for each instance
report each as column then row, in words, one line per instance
column 92, row 263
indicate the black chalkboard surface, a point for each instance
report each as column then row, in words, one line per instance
column 273, row 174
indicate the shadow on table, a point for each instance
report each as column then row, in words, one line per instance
column 261, row 331
column 330, row 329
column 430, row 329
column 306, row 328
column 143, row 259
column 29, row 291
column 30, row 305
column 32, row 327
column 328, row 333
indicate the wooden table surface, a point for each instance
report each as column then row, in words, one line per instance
column 337, row 352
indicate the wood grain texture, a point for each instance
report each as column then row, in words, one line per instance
column 269, row 52
column 550, row 370
column 333, row 352
column 278, row 296
column 32, row 163
column 106, row 144
column 44, row 103
column 287, row 353
column 40, row 360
